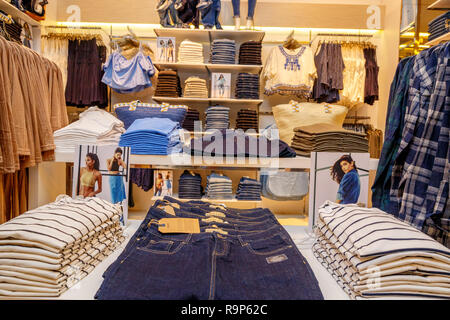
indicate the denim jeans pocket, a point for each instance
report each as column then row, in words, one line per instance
column 162, row 246
column 273, row 244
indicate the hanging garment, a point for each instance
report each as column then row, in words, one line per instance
column 128, row 76
column 354, row 75
column 167, row 14
column 371, row 82
column 187, row 12
column 56, row 50
column 290, row 72
column 83, row 74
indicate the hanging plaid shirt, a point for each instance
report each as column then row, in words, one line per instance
column 418, row 186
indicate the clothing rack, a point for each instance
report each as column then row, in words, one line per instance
column 339, row 35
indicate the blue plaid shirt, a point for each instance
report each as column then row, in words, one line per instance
column 419, row 185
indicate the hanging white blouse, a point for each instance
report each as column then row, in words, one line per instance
column 290, row 72
column 354, row 75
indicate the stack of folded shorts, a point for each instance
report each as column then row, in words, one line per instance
column 250, row 53
column 190, row 52
column 247, row 86
column 247, row 119
column 45, row 251
column 192, row 116
column 168, row 84
column 324, row 137
column 249, row 190
column 190, row 185
column 219, row 186
column 223, row 51
column 372, row 254
column 157, row 136
column 439, row 26
column 195, row 87
column 217, row 117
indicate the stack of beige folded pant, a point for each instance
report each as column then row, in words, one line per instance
column 323, row 137
column 45, row 251
column 190, row 52
column 372, row 254
column 195, row 87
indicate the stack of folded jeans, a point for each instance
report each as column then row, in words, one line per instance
column 284, row 186
column 235, row 143
column 247, row 119
column 223, row 51
column 252, row 257
column 95, row 126
column 217, row 117
column 372, row 254
column 439, row 26
column 190, row 185
column 249, row 190
column 45, row 251
column 250, row 53
column 190, row 52
column 247, row 86
column 219, row 186
column 324, row 137
column 169, row 84
column 157, row 136
column 192, row 116
column 195, row 87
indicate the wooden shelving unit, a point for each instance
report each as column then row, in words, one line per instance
column 17, row 14
column 443, row 38
column 208, row 67
column 440, row 5
column 183, row 100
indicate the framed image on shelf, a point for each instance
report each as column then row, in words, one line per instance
column 163, row 185
column 221, row 85
column 166, row 49
column 103, row 172
column 338, row 177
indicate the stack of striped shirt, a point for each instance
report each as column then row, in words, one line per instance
column 190, row 52
column 195, row 87
column 45, row 251
column 371, row 254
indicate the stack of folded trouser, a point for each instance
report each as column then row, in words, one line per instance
column 235, row 143
column 157, row 136
column 250, row 53
column 195, row 87
column 247, row 86
column 373, row 254
column 223, row 51
column 169, row 84
column 247, row 119
column 439, row 26
column 217, row 117
column 190, row 52
column 190, row 185
column 237, row 255
column 219, row 186
column 192, row 116
column 324, row 137
column 95, row 126
column 249, row 189
column 45, row 251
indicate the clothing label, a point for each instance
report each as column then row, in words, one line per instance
column 215, row 214
column 276, row 259
column 211, row 230
column 214, row 219
column 179, row 225
column 167, row 209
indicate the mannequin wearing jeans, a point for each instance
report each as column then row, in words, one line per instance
column 237, row 13
column 210, row 13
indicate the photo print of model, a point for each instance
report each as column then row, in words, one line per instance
column 165, row 49
column 103, row 172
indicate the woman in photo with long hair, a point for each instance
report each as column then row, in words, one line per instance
column 89, row 176
column 345, row 172
column 116, row 185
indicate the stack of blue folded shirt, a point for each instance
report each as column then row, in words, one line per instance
column 219, row 187
column 217, row 117
column 223, row 51
column 190, row 185
column 249, row 189
column 156, row 136
column 439, row 26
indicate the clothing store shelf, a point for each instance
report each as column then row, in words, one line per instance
column 440, row 5
column 207, row 35
column 204, row 67
column 182, row 100
column 234, row 200
column 17, row 14
column 186, row 160
column 443, row 38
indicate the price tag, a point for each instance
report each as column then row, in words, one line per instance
column 178, row 225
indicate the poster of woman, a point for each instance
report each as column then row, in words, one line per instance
column 103, row 171
column 221, row 85
column 163, row 183
column 345, row 173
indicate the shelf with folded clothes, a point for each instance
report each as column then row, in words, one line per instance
column 233, row 200
column 208, row 67
column 180, row 100
column 440, row 5
column 443, row 38
column 207, row 35
column 17, row 14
